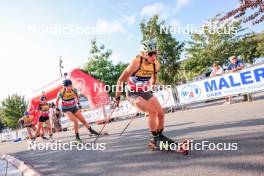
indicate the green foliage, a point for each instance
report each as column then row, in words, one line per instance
column 168, row 47
column 12, row 108
column 208, row 47
column 101, row 67
column 1, row 125
column 250, row 48
column 260, row 47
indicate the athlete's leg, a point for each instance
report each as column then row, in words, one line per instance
column 80, row 117
column 29, row 132
column 145, row 106
column 73, row 118
column 49, row 127
column 159, row 112
column 40, row 127
column 43, row 131
column 160, row 120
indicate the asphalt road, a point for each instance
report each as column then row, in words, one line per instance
column 128, row 155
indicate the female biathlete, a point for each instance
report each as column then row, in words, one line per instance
column 69, row 100
column 43, row 108
column 141, row 75
column 27, row 122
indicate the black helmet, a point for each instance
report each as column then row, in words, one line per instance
column 42, row 98
column 67, row 82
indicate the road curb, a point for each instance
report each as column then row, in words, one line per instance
column 27, row 170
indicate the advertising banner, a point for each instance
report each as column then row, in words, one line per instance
column 245, row 81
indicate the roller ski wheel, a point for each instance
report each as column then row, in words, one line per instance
column 152, row 145
column 51, row 140
column 182, row 149
column 103, row 134
column 184, row 146
column 78, row 141
column 32, row 142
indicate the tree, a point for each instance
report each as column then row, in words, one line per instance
column 1, row 125
column 12, row 109
column 254, row 7
column 251, row 47
column 260, row 47
column 216, row 43
column 168, row 47
column 101, row 67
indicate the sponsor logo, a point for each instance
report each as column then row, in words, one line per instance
column 191, row 92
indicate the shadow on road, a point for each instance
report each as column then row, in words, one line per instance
column 128, row 155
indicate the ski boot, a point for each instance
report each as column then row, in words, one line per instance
column 93, row 132
column 181, row 146
column 32, row 141
column 163, row 143
column 51, row 139
column 165, row 139
column 77, row 140
column 44, row 138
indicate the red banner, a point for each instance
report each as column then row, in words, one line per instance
column 84, row 83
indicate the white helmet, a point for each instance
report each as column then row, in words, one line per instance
column 148, row 45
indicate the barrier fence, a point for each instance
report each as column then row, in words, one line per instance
column 248, row 80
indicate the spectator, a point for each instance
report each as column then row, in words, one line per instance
column 234, row 66
column 217, row 70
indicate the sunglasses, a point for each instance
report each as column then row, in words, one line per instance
column 152, row 53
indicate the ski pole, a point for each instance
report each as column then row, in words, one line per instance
column 61, row 67
column 109, row 117
column 127, row 125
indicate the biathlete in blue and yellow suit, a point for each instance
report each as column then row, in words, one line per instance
column 69, row 100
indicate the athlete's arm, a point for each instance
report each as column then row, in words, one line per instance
column 57, row 101
column 239, row 68
column 154, row 76
column 17, row 126
column 18, row 122
column 153, row 79
column 131, row 68
column 77, row 96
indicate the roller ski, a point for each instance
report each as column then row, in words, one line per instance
column 32, row 142
column 51, row 140
column 163, row 143
column 103, row 134
column 77, row 140
column 44, row 138
column 95, row 133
